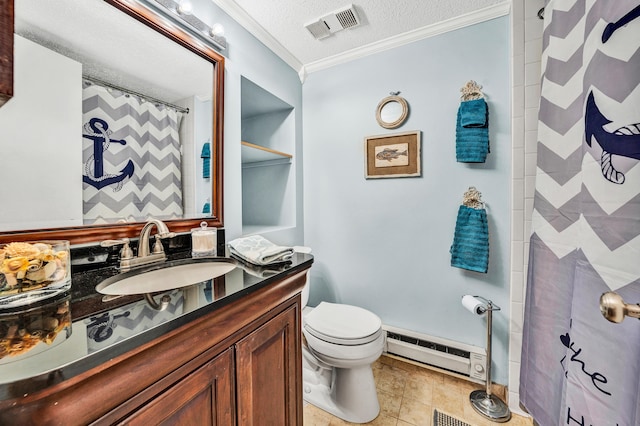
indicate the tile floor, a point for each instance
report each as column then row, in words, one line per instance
column 408, row 394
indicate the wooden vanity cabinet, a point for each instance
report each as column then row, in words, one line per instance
column 240, row 364
column 204, row 397
column 265, row 381
column 266, row 373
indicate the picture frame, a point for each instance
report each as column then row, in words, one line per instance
column 392, row 155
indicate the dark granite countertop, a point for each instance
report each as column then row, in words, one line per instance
column 102, row 329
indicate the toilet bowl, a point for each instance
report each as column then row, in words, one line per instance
column 341, row 342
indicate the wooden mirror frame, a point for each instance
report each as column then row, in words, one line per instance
column 6, row 50
column 403, row 116
column 97, row 233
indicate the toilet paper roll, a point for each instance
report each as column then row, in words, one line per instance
column 472, row 304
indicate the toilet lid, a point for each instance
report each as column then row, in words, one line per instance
column 343, row 322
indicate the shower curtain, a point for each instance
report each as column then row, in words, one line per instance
column 132, row 158
column 577, row 368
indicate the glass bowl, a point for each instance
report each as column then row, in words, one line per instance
column 33, row 271
column 34, row 329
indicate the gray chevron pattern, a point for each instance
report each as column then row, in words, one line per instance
column 561, row 170
column 103, row 330
column 561, row 71
column 577, row 367
column 125, row 110
column 563, row 21
column 141, row 160
column 558, row 118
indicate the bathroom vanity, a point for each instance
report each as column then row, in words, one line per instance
column 225, row 352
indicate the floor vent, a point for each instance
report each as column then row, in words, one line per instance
column 458, row 357
column 442, row 419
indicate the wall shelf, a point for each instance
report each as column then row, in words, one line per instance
column 255, row 154
column 252, row 153
column 268, row 178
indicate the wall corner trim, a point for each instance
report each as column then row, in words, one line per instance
column 245, row 20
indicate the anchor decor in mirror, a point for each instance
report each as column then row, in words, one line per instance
column 392, row 111
column 118, row 137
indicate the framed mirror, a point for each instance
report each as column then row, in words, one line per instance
column 392, row 111
column 179, row 71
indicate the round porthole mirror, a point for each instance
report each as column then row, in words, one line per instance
column 392, row 111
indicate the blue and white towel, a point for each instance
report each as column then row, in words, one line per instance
column 258, row 250
column 472, row 131
column 470, row 249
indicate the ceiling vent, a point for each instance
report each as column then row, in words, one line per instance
column 334, row 22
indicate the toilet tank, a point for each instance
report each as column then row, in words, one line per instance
column 305, row 291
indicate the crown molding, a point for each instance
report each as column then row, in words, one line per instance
column 238, row 14
column 452, row 24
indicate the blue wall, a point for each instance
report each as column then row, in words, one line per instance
column 384, row 244
column 248, row 57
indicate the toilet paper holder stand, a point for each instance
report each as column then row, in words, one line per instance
column 483, row 401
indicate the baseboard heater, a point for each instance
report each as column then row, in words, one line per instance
column 446, row 354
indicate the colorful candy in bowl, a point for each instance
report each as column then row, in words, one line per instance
column 33, row 271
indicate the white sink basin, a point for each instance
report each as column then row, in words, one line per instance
column 166, row 276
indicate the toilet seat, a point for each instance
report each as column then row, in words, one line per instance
column 342, row 324
column 345, row 356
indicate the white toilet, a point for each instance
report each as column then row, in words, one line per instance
column 341, row 343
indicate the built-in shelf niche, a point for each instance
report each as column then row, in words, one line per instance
column 267, row 147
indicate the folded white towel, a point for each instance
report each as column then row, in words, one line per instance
column 266, row 271
column 258, row 250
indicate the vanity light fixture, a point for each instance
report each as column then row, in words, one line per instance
column 184, row 7
column 181, row 11
column 217, row 30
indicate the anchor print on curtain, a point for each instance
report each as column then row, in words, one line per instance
column 577, row 368
column 131, row 154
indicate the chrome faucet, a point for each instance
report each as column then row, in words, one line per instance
column 145, row 256
column 145, row 236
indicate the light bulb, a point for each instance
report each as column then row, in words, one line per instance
column 217, row 30
column 185, row 7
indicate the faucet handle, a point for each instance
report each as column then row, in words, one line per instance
column 125, row 253
column 157, row 246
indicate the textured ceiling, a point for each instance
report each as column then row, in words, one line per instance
column 153, row 65
column 284, row 20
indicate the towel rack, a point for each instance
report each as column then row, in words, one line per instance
column 473, row 198
column 471, row 91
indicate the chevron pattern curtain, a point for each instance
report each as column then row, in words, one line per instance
column 577, row 368
column 132, row 158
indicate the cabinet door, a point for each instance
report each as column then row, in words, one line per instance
column 204, row 397
column 269, row 373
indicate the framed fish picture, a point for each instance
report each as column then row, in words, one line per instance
column 393, row 155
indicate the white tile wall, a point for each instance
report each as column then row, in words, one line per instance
column 526, row 53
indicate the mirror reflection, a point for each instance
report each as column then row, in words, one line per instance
column 110, row 121
column 392, row 111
